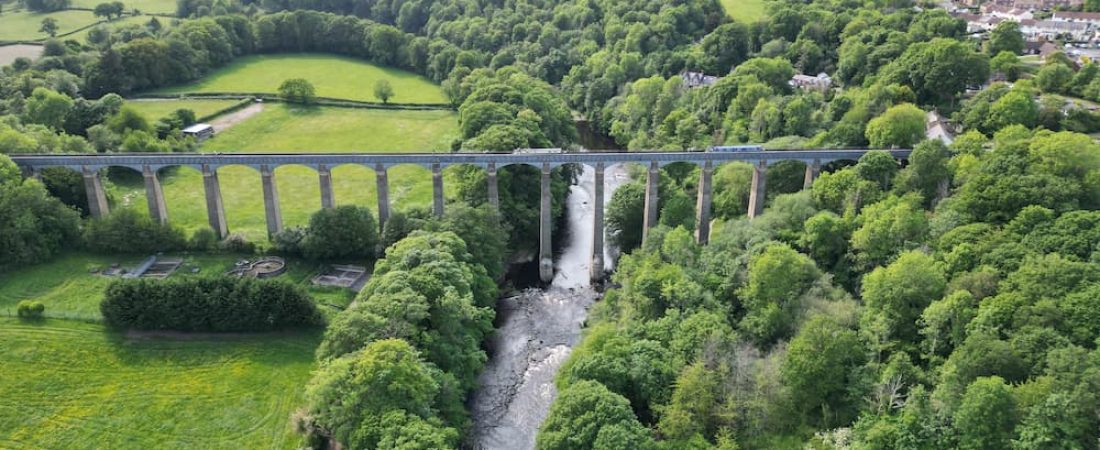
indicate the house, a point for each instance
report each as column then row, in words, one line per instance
column 1051, row 30
column 936, row 127
column 698, row 79
column 1007, row 13
column 822, row 82
column 1090, row 18
column 199, row 131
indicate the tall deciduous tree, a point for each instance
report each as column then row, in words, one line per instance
column 900, row 126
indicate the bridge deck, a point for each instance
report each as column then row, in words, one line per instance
column 159, row 160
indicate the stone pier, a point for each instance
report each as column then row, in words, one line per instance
column 597, row 224
column 812, row 171
column 271, row 201
column 215, row 211
column 702, row 204
column 652, row 179
column 546, row 251
column 437, row 190
column 97, row 198
column 491, row 182
column 324, row 175
column 154, row 195
column 382, row 182
column 757, row 191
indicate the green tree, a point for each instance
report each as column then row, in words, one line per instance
column 586, row 415
column 1005, row 37
column 48, row 108
column 900, row 126
column 772, row 296
column 383, row 90
column 343, row 232
column 387, row 375
column 987, row 416
column 128, row 119
column 928, row 172
column 819, row 368
column 297, row 90
column 887, row 227
column 879, row 167
column 1006, row 63
column 895, row 296
column 1058, row 422
column 1015, row 108
column 1054, row 78
column 481, row 228
column 625, row 215
column 33, row 225
column 49, row 26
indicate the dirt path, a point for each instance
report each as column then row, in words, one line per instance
column 227, row 121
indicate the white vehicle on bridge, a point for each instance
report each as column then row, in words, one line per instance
column 735, row 148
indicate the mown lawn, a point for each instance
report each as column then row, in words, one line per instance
column 73, row 385
column 332, row 76
column 281, row 128
column 745, row 10
column 156, row 109
column 24, row 25
column 69, row 290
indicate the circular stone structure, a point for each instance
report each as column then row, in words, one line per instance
column 265, row 267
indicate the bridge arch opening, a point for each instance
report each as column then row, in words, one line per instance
column 299, row 193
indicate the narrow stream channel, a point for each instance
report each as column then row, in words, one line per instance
column 537, row 330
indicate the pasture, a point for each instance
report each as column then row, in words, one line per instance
column 9, row 53
column 145, row 6
column 332, row 76
column 154, row 109
column 68, row 289
column 282, row 128
column 23, row 25
column 74, row 385
column 82, row 35
column 745, row 10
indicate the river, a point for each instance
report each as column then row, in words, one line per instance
column 536, row 332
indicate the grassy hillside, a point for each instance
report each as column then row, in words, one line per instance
column 72, row 385
column 332, row 76
column 155, row 109
column 145, row 6
column 24, row 25
column 280, row 128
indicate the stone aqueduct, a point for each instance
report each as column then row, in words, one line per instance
column 208, row 163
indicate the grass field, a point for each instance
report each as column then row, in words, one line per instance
column 145, row 6
column 69, row 290
column 281, row 128
column 72, row 385
column 128, row 20
column 24, row 25
column 156, row 109
column 9, row 53
column 332, row 76
column 745, row 10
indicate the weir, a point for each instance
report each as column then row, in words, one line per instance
column 266, row 163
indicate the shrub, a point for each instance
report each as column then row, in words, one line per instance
column 288, row 241
column 203, row 240
column 30, row 310
column 208, row 304
column 126, row 231
column 297, row 90
column 237, row 243
column 341, row 232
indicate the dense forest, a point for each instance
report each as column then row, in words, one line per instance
column 950, row 302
